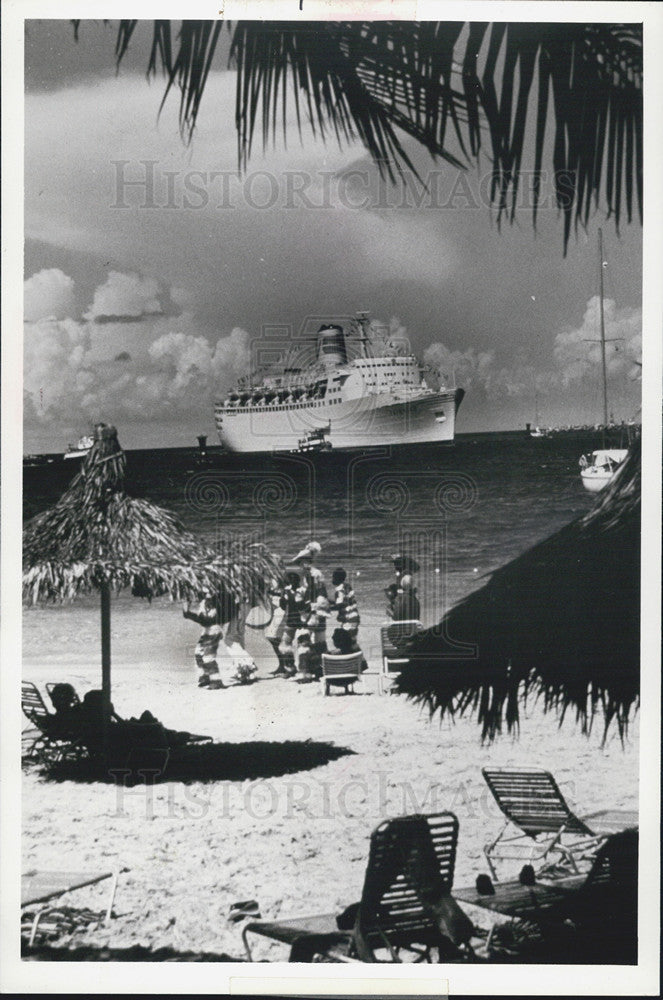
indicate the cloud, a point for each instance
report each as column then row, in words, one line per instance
column 49, row 293
column 125, row 298
column 577, row 352
column 67, row 385
column 465, row 368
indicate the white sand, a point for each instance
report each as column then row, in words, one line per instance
column 297, row 843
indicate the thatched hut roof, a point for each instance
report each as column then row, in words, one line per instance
column 97, row 534
column 562, row 622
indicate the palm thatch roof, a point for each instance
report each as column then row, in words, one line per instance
column 561, row 623
column 97, row 534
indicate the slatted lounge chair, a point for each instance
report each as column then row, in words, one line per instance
column 39, row 888
column 340, row 667
column 539, row 822
column 44, row 742
column 393, row 636
column 603, row 902
column 406, row 903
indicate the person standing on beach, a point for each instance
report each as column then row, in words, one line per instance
column 296, row 606
column 208, row 642
column 316, row 626
column 345, row 602
column 406, row 606
column 402, row 564
column 312, row 577
column 274, row 631
column 243, row 668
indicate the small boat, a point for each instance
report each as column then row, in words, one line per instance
column 598, row 468
column 81, row 449
column 315, row 441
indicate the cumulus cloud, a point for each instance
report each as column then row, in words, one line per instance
column 125, row 298
column 49, row 293
column 67, row 385
column 466, row 368
column 577, row 352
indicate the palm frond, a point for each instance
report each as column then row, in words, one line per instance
column 560, row 623
column 378, row 80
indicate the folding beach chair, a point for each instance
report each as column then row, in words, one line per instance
column 43, row 742
column 337, row 667
column 406, row 903
column 602, row 904
column 39, row 888
column 540, row 823
column 393, row 636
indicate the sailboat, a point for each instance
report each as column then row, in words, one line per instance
column 598, row 468
column 538, row 432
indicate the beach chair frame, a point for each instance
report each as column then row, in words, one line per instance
column 38, row 745
column 393, row 660
column 53, row 885
column 607, row 892
column 393, row 912
column 539, row 824
column 340, row 667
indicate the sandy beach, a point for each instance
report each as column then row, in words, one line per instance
column 276, row 829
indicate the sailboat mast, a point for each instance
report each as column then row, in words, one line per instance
column 603, row 365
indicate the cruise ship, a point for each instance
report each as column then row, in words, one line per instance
column 349, row 392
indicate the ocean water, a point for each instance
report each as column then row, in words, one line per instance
column 461, row 511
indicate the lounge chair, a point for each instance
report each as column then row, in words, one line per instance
column 406, row 902
column 540, row 823
column 393, row 635
column 340, row 668
column 603, row 904
column 39, row 888
column 45, row 742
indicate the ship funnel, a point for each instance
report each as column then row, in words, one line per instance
column 331, row 346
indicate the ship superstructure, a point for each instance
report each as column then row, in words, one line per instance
column 379, row 397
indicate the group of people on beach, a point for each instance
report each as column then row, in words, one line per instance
column 302, row 610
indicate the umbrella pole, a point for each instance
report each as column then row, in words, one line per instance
column 105, row 666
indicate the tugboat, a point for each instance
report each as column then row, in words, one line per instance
column 315, row 441
column 81, row 449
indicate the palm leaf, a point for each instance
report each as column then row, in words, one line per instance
column 453, row 88
column 560, row 623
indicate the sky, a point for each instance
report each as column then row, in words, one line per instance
column 155, row 274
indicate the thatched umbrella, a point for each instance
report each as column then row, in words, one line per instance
column 97, row 537
column 562, row 621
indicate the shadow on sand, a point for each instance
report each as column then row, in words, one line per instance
column 208, row 762
column 136, row 953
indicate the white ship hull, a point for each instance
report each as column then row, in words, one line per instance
column 368, row 421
